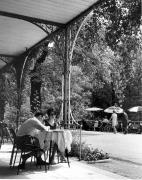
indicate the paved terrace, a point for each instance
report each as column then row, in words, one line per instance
column 78, row 170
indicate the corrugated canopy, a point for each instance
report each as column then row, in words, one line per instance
column 17, row 31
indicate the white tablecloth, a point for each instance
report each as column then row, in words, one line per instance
column 63, row 138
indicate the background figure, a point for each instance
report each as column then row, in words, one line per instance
column 114, row 121
column 105, row 121
column 96, row 124
column 125, row 122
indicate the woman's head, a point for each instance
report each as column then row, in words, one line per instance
column 114, row 111
column 50, row 112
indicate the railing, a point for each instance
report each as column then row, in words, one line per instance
column 136, row 122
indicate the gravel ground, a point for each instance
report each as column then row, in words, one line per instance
column 126, row 169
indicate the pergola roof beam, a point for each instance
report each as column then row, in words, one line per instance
column 66, row 25
column 29, row 19
column 25, row 24
column 82, row 13
column 9, row 56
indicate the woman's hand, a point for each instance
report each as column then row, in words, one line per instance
column 47, row 128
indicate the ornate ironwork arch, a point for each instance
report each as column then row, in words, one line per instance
column 70, row 31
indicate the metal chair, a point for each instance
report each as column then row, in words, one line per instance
column 29, row 148
column 23, row 149
column 14, row 148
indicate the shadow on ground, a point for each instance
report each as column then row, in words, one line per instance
column 7, row 172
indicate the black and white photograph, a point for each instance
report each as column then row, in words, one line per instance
column 71, row 89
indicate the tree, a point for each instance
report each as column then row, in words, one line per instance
column 112, row 26
column 8, row 97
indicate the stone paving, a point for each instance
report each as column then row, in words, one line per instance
column 78, row 170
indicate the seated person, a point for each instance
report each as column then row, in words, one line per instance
column 105, row 120
column 50, row 118
column 103, row 123
column 25, row 135
column 50, row 121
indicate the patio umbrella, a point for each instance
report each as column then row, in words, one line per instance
column 112, row 108
column 135, row 109
column 94, row 109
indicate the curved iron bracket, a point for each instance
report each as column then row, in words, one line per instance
column 6, row 59
column 47, row 28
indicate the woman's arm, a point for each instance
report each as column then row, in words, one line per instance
column 38, row 125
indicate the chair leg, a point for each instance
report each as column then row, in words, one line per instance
column 1, row 135
column 12, row 154
column 36, row 161
column 58, row 157
column 50, row 152
column 47, row 157
column 45, row 161
column 67, row 156
column 15, row 158
column 0, row 142
column 19, row 163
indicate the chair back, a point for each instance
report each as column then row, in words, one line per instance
column 13, row 134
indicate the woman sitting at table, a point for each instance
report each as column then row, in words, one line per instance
column 50, row 120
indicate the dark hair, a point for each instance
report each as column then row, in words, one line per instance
column 38, row 114
column 50, row 111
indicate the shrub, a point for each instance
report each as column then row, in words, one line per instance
column 88, row 153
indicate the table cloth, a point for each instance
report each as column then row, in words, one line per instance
column 62, row 137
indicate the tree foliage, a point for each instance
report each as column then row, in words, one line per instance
column 106, row 63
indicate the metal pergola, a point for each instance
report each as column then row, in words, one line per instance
column 26, row 24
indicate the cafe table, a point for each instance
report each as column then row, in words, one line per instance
column 62, row 137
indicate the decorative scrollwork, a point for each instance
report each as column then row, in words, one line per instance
column 6, row 59
column 46, row 27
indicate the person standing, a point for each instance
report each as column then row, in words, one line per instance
column 114, row 121
column 125, row 120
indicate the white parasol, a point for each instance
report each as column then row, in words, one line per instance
column 112, row 108
column 135, row 109
column 94, row 109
